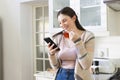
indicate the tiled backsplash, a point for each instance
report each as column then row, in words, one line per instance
column 108, row 46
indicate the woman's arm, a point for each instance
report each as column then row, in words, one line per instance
column 54, row 61
column 53, row 55
column 85, row 52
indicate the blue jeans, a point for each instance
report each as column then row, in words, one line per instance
column 65, row 74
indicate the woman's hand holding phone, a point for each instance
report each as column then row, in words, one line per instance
column 52, row 50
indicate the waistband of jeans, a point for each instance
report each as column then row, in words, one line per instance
column 66, row 69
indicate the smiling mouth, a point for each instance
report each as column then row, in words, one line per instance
column 65, row 28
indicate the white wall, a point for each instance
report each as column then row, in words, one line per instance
column 113, row 22
column 118, row 22
column 17, row 33
column 16, row 41
column 17, row 51
column 26, row 39
column 1, row 52
column 111, row 44
column 9, row 13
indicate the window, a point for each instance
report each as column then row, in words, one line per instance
column 40, row 30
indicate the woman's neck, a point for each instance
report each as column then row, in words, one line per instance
column 77, row 34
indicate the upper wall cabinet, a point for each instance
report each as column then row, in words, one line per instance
column 54, row 7
column 91, row 13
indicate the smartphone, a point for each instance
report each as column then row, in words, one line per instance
column 48, row 39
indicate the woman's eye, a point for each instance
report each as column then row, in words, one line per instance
column 59, row 23
column 64, row 20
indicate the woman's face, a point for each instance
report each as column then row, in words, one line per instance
column 66, row 22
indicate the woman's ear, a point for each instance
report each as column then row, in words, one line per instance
column 74, row 18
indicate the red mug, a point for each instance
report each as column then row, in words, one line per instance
column 66, row 34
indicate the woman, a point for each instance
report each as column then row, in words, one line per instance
column 74, row 59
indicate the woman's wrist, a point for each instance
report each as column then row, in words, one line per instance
column 51, row 54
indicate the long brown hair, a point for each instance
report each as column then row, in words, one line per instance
column 70, row 12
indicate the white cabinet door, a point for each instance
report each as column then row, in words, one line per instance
column 91, row 13
column 54, row 7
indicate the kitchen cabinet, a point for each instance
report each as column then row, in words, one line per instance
column 92, row 14
column 54, row 7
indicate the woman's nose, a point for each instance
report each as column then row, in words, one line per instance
column 62, row 25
